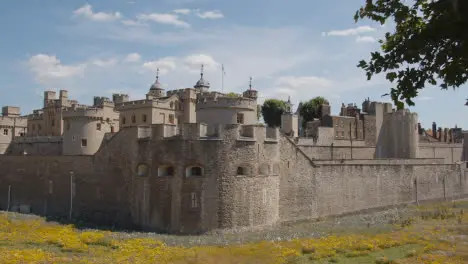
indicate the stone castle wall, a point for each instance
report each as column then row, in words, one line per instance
column 251, row 176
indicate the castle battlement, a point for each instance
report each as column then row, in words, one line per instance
column 37, row 139
column 93, row 112
column 136, row 103
column 201, row 131
column 226, row 102
column 13, row 121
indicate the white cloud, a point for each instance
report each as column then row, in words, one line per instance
column 193, row 62
column 168, row 19
column 129, row 22
column 164, row 65
column 351, row 31
column 48, row 68
column 87, row 11
column 214, row 14
column 366, row 39
column 133, row 57
column 104, row 63
column 183, row 11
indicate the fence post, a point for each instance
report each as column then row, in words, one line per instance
column 9, row 198
column 416, row 188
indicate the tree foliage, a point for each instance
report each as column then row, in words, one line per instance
column 428, row 45
column 232, row 94
column 272, row 109
column 312, row 109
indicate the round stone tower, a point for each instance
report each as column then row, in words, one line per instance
column 84, row 129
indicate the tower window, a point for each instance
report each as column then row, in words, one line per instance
column 84, row 142
column 194, row 171
column 5, row 132
column 112, row 129
column 165, row 171
column 240, row 118
column 240, row 171
column 143, row 118
column 171, row 119
column 98, row 126
column 133, row 119
column 123, row 120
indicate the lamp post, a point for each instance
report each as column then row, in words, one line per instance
column 71, row 195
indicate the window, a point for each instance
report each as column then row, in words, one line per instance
column 22, row 134
column 194, row 200
column 165, row 171
column 172, row 104
column 108, row 120
column 143, row 118
column 98, row 126
column 39, row 127
column 33, row 127
column 53, row 122
column 240, row 118
column 142, row 170
column 171, row 119
column 194, row 171
column 241, row 171
column 73, row 138
column 112, row 129
column 123, row 120
column 133, row 119
column 5, row 132
column 84, row 142
column 68, row 126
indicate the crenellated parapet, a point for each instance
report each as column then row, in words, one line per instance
column 88, row 112
column 7, row 121
column 38, row 139
column 226, row 102
column 200, row 131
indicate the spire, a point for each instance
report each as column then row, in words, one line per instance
column 250, row 83
column 157, row 75
column 289, row 99
column 201, row 71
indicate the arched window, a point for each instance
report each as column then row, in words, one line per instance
column 165, row 171
column 194, row 171
column 143, row 118
column 171, row 104
column 123, row 120
column 142, row 170
column 133, row 119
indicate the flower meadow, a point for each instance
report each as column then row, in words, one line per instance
column 434, row 236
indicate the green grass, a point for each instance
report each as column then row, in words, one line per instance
column 392, row 254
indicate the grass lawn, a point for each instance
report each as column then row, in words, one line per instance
column 435, row 233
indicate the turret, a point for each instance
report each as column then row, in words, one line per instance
column 156, row 89
column 251, row 93
column 289, row 121
column 202, row 85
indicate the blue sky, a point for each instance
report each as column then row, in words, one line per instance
column 297, row 48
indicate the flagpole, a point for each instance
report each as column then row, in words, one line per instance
column 222, row 78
